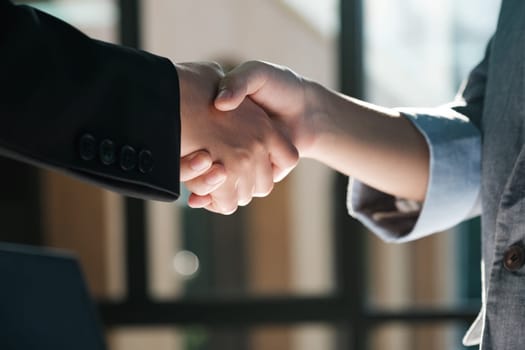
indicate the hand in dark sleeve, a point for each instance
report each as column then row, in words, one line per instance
column 101, row 112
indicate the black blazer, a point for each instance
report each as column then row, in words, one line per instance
column 101, row 112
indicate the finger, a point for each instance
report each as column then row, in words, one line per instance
column 242, row 81
column 194, row 165
column 245, row 194
column 247, row 172
column 279, row 174
column 283, row 155
column 264, row 178
column 214, row 208
column 225, row 198
column 196, row 201
column 206, row 202
column 209, row 181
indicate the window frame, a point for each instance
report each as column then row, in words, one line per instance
column 346, row 309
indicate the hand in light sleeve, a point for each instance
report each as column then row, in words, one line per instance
column 374, row 144
column 279, row 91
column 247, row 151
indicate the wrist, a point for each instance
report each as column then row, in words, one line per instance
column 315, row 118
column 198, row 85
column 182, row 108
column 187, row 140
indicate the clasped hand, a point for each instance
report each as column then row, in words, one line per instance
column 235, row 148
column 254, row 122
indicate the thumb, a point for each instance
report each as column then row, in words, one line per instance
column 244, row 80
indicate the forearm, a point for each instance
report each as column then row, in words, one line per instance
column 374, row 144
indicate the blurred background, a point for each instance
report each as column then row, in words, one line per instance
column 291, row 271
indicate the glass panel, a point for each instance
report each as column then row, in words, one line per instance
column 96, row 18
column 323, row 15
column 278, row 245
column 397, row 336
column 302, row 337
column 416, row 54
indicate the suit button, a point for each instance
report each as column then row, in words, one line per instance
column 145, row 161
column 87, row 147
column 107, row 152
column 128, row 158
column 514, row 258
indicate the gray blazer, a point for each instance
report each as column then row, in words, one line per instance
column 487, row 119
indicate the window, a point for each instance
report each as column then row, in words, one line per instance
column 292, row 271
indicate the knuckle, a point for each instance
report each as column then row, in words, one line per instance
column 226, row 206
column 292, row 161
column 265, row 189
column 245, row 201
column 216, row 66
column 256, row 149
column 229, row 210
column 200, row 190
column 253, row 64
column 244, row 159
column 268, row 188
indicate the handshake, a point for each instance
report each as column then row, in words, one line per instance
column 240, row 132
column 244, row 131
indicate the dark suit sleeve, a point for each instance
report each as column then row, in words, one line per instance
column 101, row 112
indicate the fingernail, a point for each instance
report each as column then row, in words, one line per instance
column 224, row 94
column 200, row 163
column 215, row 178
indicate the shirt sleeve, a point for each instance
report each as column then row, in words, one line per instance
column 452, row 133
column 453, row 188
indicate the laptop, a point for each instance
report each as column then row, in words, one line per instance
column 44, row 302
